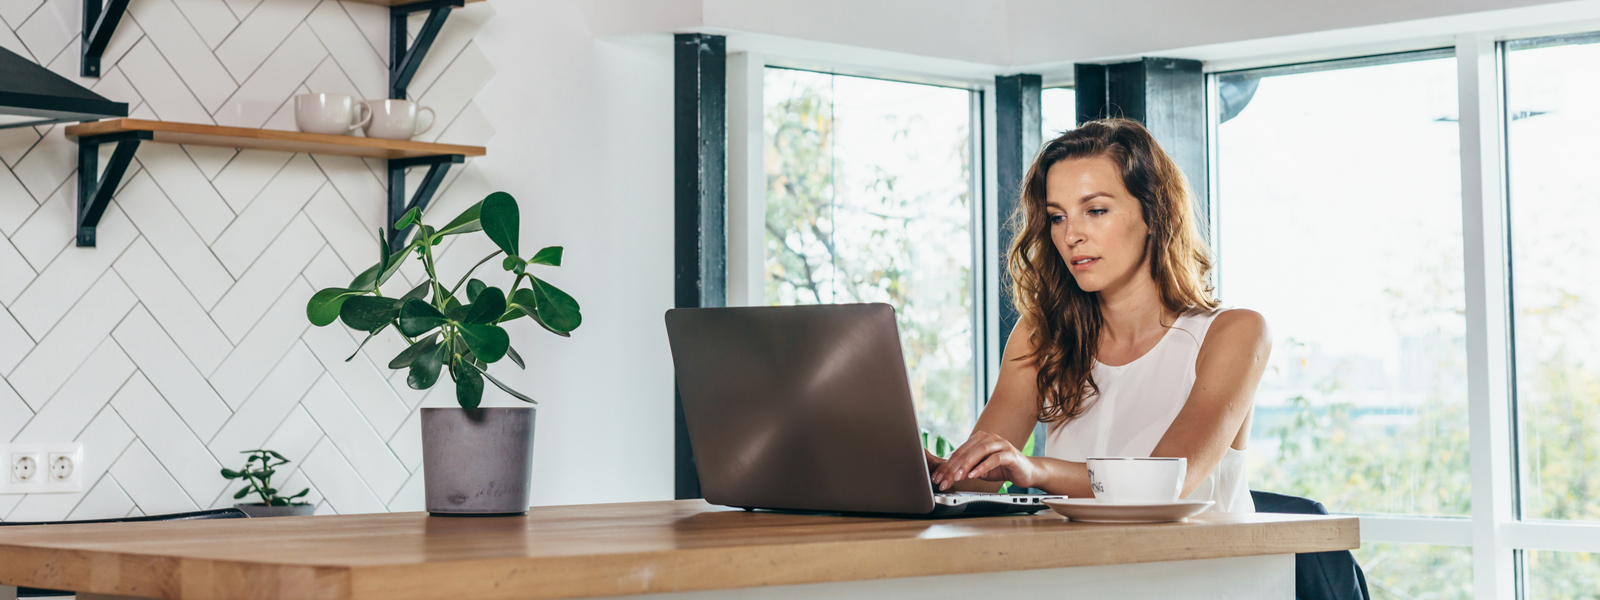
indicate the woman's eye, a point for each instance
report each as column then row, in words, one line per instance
column 1055, row 219
column 1097, row 211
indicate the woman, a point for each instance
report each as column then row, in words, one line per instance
column 1121, row 349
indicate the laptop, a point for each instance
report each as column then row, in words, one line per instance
column 807, row 408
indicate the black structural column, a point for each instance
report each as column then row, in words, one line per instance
column 1168, row 95
column 1018, row 132
column 700, row 175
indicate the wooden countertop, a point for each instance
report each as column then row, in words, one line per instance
column 600, row 550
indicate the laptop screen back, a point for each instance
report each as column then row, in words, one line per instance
column 800, row 407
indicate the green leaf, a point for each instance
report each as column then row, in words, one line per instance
column 324, row 305
column 405, row 357
column 278, row 456
column 242, row 493
column 557, row 310
column 488, row 342
column 230, row 474
column 469, row 384
column 474, row 288
column 511, row 353
column 383, row 251
column 547, row 256
column 418, row 317
column 507, row 389
column 465, row 222
column 406, row 219
column 488, row 306
column 514, row 264
column 380, row 273
column 501, row 221
column 425, row 369
column 302, row 493
column 459, row 313
column 369, row 313
column 278, row 502
column 420, row 292
column 520, row 304
column 364, row 341
column 524, row 303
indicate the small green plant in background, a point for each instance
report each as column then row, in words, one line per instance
column 445, row 332
column 259, row 476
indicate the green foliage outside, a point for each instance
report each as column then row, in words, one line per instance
column 845, row 228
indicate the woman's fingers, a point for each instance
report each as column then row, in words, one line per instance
column 959, row 468
column 946, row 471
column 996, row 462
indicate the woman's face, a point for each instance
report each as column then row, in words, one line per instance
column 1096, row 224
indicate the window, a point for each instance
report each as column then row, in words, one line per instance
column 1339, row 220
column 1551, row 118
column 1058, row 108
column 869, row 200
column 1339, row 216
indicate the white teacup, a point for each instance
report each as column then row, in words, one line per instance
column 336, row 114
column 396, row 119
column 1137, row 480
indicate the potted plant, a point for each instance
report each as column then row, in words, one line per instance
column 259, row 478
column 476, row 461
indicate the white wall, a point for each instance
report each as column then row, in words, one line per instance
column 182, row 339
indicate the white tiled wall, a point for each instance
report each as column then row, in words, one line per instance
column 182, row 338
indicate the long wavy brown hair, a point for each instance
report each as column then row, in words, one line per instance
column 1067, row 320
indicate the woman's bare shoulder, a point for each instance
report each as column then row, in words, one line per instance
column 1239, row 329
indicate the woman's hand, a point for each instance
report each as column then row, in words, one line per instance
column 988, row 457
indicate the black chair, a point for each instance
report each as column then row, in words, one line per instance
column 221, row 513
column 1317, row 575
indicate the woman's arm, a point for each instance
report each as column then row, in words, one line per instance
column 993, row 454
column 1226, row 374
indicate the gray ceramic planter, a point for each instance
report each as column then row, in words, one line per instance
column 258, row 510
column 477, row 462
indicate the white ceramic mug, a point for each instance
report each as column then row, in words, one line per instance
column 396, row 119
column 329, row 113
column 1137, row 480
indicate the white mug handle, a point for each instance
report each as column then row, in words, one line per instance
column 366, row 116
column 431, row 119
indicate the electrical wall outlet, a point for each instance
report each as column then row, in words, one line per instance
column 42, row 468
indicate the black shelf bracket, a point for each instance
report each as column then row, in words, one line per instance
column 403, row 60
column 95, row 190
column 438, row 166
column 99, row 22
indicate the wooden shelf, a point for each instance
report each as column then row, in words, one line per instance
column 271, row 139
column 398, row 2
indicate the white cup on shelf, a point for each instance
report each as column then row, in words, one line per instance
column 396, row 119
column 336, row 114
column 1137, row 480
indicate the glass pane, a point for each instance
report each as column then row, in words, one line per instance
column 1058, row 108
column 1562, row 575
column 868, row 189
column 1555, row 201
column 1416, row 571
column 1339, row 212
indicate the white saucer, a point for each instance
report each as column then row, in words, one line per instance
column 1090, row 510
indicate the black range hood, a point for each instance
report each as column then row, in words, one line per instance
column 32, row 95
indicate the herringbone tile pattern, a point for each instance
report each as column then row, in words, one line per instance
column 182, row 339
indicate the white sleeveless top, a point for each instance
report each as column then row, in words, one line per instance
column 1136, row 404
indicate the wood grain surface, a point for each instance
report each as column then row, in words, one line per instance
column 272, row 139
column 599, row 550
